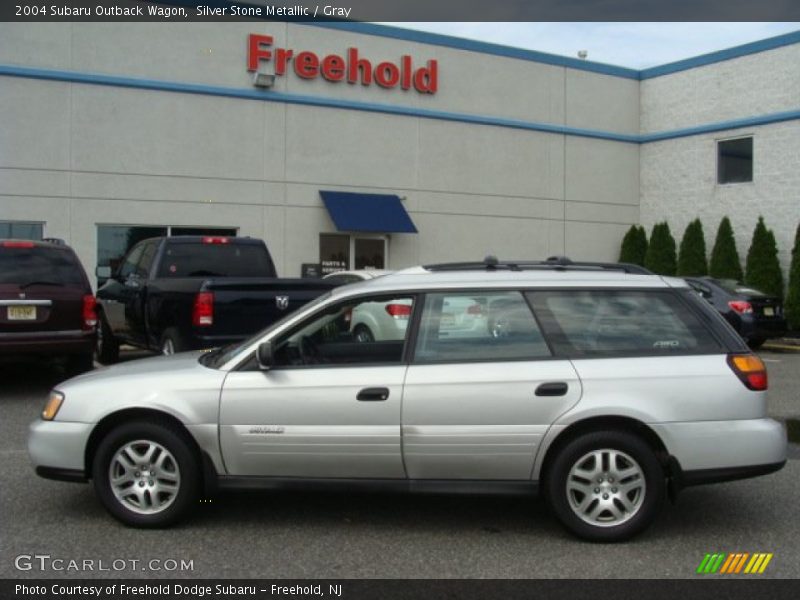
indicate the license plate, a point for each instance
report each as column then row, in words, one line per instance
column 769, row 311
column 21, row 313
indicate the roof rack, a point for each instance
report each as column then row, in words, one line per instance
column 56, row 241
column 557, row 263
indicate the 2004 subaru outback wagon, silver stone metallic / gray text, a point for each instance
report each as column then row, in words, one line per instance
column 599, row 387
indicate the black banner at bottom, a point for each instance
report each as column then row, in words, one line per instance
column 388, row 589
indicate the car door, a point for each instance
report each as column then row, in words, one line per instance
column 329, row 407
column 135, row 296
column 116, row 294
column 482, row 389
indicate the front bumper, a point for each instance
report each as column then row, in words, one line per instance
column 724, row 448
column 59, row 447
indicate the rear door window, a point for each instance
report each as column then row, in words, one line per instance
column 481, row 326
column 597, row 323
column 215, row 260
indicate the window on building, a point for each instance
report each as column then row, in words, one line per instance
column 20, row 230
column 735, row 160
column 342, row 252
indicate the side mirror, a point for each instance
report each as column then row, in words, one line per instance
column 264, row 356
column 103, row 272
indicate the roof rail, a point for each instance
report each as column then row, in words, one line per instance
column 557, row 263
column 56, row 241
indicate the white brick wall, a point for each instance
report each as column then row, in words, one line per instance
column 678, row 183
column 757, row 84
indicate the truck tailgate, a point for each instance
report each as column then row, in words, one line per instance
column 243, row 306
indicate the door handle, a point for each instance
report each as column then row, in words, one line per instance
column 373, row 394
column 553, row 388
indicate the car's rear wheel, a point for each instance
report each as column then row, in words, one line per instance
column 145, row 474
column 107, row 349
column 605, row 486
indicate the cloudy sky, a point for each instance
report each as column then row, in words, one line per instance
column 635, row 45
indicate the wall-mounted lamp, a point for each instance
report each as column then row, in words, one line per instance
column 263, row 80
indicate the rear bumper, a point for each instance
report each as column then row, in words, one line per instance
column 762, row 328
column 723, row 450
column 703, row 476
column 46, row 343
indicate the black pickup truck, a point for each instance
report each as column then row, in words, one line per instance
column 172, row 294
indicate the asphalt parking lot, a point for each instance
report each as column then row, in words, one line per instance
column 283, row 535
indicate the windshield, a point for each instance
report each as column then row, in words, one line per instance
column 219, row 357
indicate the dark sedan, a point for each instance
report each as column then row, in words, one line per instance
column 754, row 314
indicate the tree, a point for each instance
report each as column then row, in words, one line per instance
column 725, row 263
column 661, row 257
column 692, row 255
column 762, row 268
column 634, row 246
column 792, row 304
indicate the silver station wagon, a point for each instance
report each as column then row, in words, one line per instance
column 603, row 388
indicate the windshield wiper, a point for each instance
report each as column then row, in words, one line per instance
column 30, row 283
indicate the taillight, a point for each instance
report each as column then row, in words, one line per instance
column 89, row 312
column 743, row 307
column 750, row 369
column 398, row 311
column 203, row 309
column 16, row 244
column 215, row 240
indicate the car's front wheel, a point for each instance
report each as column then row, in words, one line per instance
column 145, row 474
column 605, row 486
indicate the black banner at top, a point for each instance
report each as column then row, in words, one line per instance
column 401, row 10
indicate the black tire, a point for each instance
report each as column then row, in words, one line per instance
column 180, row 454
column 756, row 343
column 646, row 501
column 80, row 363
column 171, row 342
column 362, row 333
column 107, row 349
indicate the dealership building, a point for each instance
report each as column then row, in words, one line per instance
column 358, row 145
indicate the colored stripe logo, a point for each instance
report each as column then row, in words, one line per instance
column 735, row 563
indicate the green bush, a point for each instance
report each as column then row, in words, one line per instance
column 634, row 246
column 661, row 257
column 692, row 254
column 792, row 305
column 725, row 262
column 762, row 268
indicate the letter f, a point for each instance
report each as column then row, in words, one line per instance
column 255, row 52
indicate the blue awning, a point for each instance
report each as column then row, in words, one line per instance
column 376, row 213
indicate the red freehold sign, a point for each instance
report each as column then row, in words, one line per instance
column 351, row 68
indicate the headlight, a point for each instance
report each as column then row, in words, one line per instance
column 52, row 406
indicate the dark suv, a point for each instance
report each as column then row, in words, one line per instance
column 46, row 304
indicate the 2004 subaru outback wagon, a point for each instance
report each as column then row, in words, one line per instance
column 604, row 389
